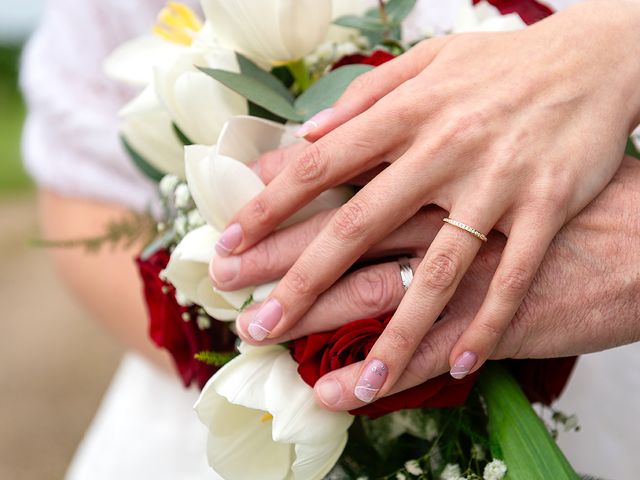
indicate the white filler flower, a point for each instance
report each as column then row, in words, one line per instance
column 495, row 470
column 264, row 423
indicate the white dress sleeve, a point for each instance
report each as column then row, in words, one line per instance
column 70, row 139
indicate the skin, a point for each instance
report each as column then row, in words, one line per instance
column 114, row 295
column 514, row 132
column 583, row 298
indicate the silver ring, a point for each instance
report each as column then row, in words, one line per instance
column 406, row 273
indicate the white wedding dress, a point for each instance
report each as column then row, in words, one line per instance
column 145, row 427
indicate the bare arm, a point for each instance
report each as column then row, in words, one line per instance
column 106, row 282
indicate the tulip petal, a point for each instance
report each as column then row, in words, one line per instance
column 189, row 262
column 198, row 160
column 245, row 138
column 261, row 292
column 213, row 303
column 149, row 131
column 293, row 406
column 233, row 185
column 237, row 298
column 314, row 461
column 240, row 444
column 133, row 61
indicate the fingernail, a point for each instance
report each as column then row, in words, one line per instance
column 265, row 320
column 463, row 365
column 313, row 123
column 229, row 240
column 329, row 391
column 224, row 269
column 371, row 381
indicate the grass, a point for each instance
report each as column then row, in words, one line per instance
column 12, row 111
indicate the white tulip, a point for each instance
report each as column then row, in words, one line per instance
column 198, row 104
column 484, row 17
column 148, row 129
column 270, row 31
column 221, row 183
column 264, row 422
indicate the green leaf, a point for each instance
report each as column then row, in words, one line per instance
column 326, row 91
column 527, row 448
column 631, row 150
column 365, row 24
column 145, row 167
column 398, row 10
column 256, row 91
column 181, row 135
column 247, row 67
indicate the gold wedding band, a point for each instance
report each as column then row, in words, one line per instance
column 466, row 228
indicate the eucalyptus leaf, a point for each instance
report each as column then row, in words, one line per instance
column 526, row 446
column 247, row 67
column 365, row 24
column 398, row 10
column 145, row 167
column 326, row 91
column 256, row 91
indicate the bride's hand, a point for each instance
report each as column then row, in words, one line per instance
column 583, row 298
column 514, row 131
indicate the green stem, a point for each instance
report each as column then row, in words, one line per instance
column 524, row 442
column 300, row 74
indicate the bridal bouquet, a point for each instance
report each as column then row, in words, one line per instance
column 217, row 92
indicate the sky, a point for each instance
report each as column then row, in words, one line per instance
column 18, row 18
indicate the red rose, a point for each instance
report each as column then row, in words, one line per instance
column 542, row 380
column 377, row 57
column 322, row 353
column 529, row 10
column 168, row 330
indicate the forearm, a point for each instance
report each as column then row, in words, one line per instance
column 105, row 282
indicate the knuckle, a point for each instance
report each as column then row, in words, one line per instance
column 488, row 329
column 260, row 212
column 514, row 281
column 311, row 165
column 298, row 283
column 441, row 271
column 363, row 87
column 370, row 289
column 425, row 358
column 399, row 338
column 350, row 221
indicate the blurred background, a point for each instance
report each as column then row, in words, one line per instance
column 55, row 362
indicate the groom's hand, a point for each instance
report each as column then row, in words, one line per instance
column 583, row 299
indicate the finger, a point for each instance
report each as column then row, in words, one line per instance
column 268, row 260
column 270, row 164
column 331, row 161
column 526, row 246
column 430, row 359
column 437, row 278
column 369, row 88
column 395, row 195
column 369, row 292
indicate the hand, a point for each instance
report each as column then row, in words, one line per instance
column 488, row 127
column 583, row 299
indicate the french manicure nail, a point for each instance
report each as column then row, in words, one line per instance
column 463, row 365
column 313, row 123
column 229, row 240
column 329, row 391
column 371, row 381
column 224, row 269
column 265, row 320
